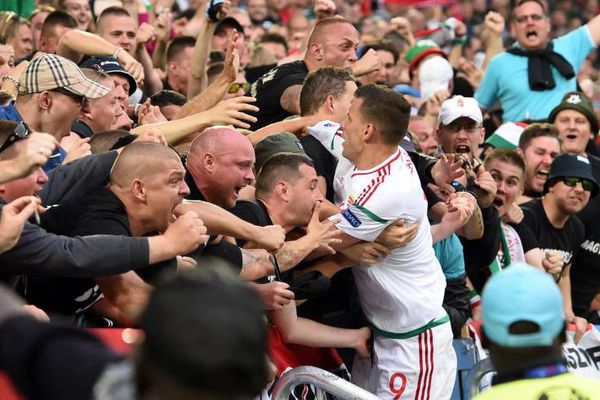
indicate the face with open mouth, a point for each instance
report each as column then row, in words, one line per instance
column 540, row 153
column 530, row 26
column 509, row 181
column 574, row 130
column 462, row 136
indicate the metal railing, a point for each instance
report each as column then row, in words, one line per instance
column 322, row 380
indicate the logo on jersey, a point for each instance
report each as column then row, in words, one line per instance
column 351, row 218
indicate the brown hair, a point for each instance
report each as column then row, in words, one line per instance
column 386, row 109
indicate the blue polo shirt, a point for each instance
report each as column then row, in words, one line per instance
column 10, row 113
column 506, row 79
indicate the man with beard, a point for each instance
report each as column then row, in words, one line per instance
column 531, row 77
column 552, row 219
column 539, row 145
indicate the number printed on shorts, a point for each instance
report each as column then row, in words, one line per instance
column 397, row 384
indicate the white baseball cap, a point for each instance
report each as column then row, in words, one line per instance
column 459, row 106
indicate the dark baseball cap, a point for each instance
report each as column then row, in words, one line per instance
column 570, row 165
column 110, row 65
column 231, row 22
column 282, row 142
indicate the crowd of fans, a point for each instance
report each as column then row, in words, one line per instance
column 263, row 184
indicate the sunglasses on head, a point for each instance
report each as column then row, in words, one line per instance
column 77, row 98
column 572, row 181
column 235, row 87
column 20, row 132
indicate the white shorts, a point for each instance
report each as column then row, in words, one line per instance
column 418, row 368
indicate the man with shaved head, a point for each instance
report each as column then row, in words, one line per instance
column 146, row 184
column 333, row 42
column 220, row 164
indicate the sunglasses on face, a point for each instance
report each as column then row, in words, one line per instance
column 235, row 87
column 76, row 98
column 572, row 181
column 20, row 132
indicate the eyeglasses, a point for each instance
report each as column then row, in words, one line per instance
column 455, row 128
column 572, row 181
column 235, row 87
column 20, row 132
column 534, row 17
column 77, row 98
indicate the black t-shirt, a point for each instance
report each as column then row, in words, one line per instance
column 324, row 162
column 269, row 88
column 566, row 239
column 585, row 272
column 528, row 239
column 103, row 214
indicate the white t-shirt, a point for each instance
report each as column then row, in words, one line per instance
column 405, row 290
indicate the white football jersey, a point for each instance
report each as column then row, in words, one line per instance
column 404, row 291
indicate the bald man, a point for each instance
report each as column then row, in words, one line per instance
column 333, row 41
column 220, row 164
column 146, row 184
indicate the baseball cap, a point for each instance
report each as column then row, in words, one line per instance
column 579, row 102
column 231, row 22
column 110, row 65
column 50, row 72
column 568, row 164
column 459, row 106
column 283, row 142
column 435, row 74
column 522, row 293
column 205, row 329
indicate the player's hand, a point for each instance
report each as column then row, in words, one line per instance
column 553, row 262
column 275, row 295
column 232, row 112
column 398, row 234
column 460, row 210
column 186, row 233
column 366, row 252
column 323, row 234
column 362, row 343
column 447, row 169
